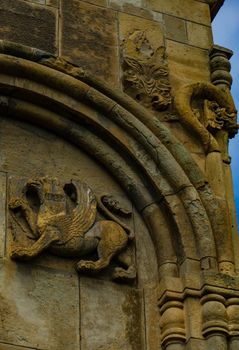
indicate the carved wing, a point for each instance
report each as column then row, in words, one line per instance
column 83, row 216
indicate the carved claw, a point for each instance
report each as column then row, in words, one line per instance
column 85, row 265
column 20, row 254
column 122, row 274
column 17, row 203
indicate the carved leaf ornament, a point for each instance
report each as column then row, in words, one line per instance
column 145, row 72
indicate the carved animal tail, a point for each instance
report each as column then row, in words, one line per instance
column 111, row 216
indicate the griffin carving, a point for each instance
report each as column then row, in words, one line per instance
column 62, row 219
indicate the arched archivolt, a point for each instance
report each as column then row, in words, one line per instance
column 151, row 165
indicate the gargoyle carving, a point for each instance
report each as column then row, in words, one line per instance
column 62, row 219
column 218, row 113
column 145, row 72
column 218, row 118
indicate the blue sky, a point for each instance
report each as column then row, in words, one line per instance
column 226, row 33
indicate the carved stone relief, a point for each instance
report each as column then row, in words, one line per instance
column 62, row 218
column 214, row 118
column 218, row 118
column 205, row 110
column 145, row 69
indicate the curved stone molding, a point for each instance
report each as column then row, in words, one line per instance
column 168, row 140
column 138, row 133
column 184, row 217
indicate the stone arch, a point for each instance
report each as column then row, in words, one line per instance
column 145, row 158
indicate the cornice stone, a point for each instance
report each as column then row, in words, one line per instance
column 215, row 6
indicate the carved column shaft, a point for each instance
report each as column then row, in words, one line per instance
column 172, row 324
column 234, row 343
column 220, row 67
column 214, row 321
column 221, row 77
column 233, row 319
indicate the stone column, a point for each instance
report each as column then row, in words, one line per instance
column 214, row 321
column 173, row 334
column 220, row 67
column 233, row 318
column 221, row 77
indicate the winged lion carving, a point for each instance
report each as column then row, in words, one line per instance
column 62, row 219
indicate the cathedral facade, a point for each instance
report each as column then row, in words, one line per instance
column 117, row 219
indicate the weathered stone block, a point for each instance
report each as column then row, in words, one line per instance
column 12, row 347
column 89, row 38
column 128, row 24
column 186, row 64
column 54, row 3
column 41, row 2
column 28, row 24
column 99, row 2
column 73, row 163
column 131, row 7
column 199, row 35
column 39, row 307
column 195, row 344
column 146, row 264
column 152, row 319
column 187, row 9
column 193, row 321
column 175, row 28
column 2, row 212
column 138, row 3
column 111, row 316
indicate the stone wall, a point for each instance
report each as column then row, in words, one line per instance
column 91, row 34
column 115, row 120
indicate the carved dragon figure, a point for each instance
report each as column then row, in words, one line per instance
column 63, row 220
column 220, row 113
